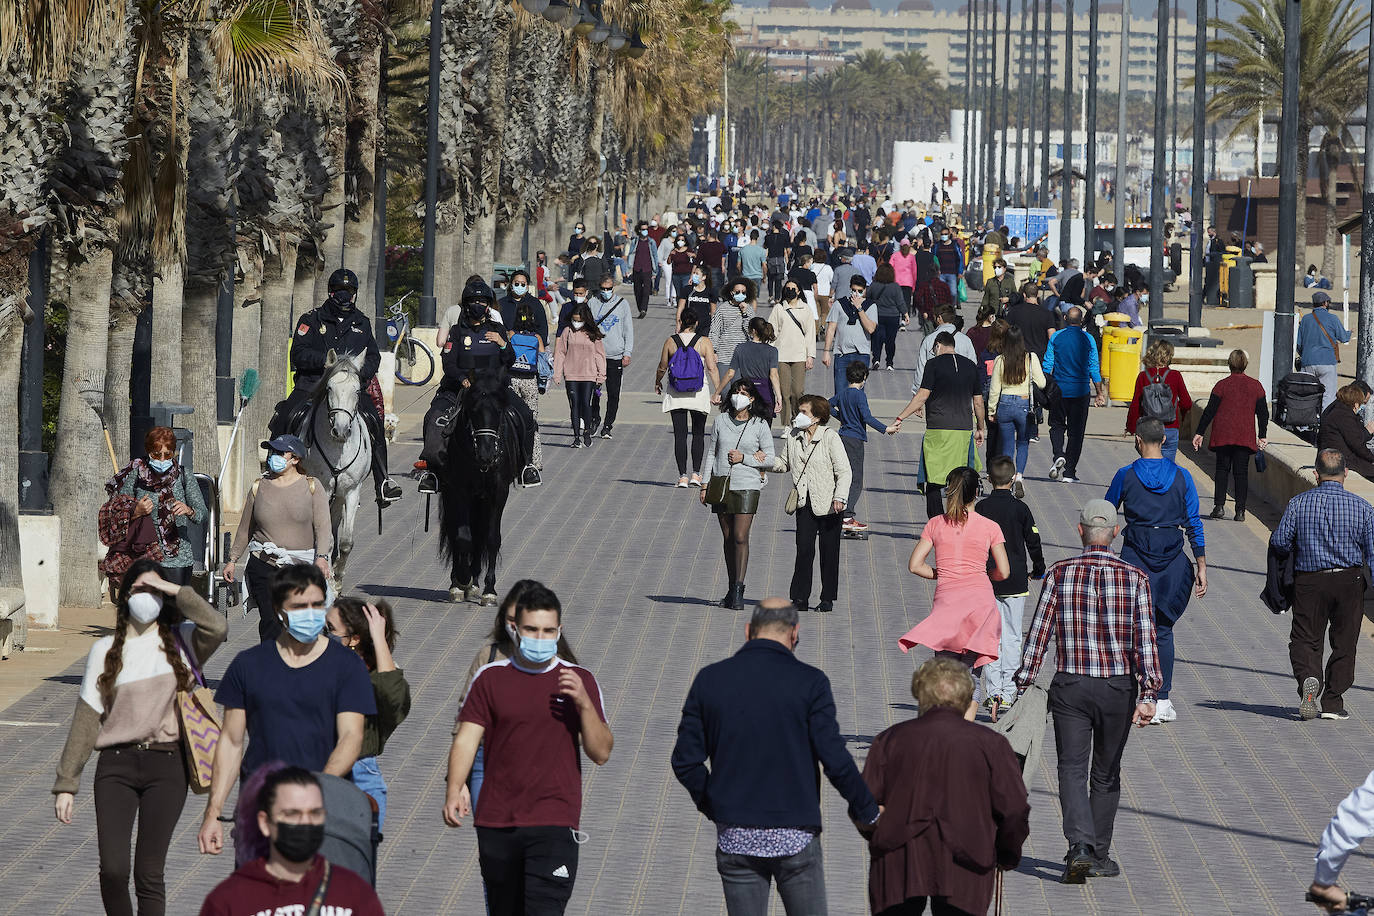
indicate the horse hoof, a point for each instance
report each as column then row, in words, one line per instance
column 489, row 599
column 456, row 595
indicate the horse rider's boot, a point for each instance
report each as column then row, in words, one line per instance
column 429, row 483
column 388, row 491
column 530, row 476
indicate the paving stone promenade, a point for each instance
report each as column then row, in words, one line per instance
column 1220, row 810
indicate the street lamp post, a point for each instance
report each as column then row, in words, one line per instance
column 428, row 316
column 1090, row 142
column 1290, row 147
column 1066, row 198
column 1365, row 343
column 1157, row 172
column 964, row 191
column 1045, row 119
column 990, row 116
column 1019, row 191
column 1005, row 122
column 1119, row 199
column 1199, row 176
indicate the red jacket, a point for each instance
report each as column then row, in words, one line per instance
column 252, row 890
column 1236, row 403
column 1170, row 377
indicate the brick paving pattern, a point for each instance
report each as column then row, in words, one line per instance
column 1220, row 810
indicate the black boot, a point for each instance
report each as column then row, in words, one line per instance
column 737, row 597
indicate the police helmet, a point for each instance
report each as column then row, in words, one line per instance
column 478, row 291
column 343, row 278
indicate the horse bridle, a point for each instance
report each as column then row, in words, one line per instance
column 494, row 434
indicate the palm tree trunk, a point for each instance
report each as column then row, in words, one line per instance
column 1304, row 132
column 199, row 325
column 168, row 288
column 80, row 463
column 169, row 243
column 448, row 282
column 119, row 365
column 244, row 353
column 279, row 282
column 335, row 214
column 362, row 152
column 11, row 347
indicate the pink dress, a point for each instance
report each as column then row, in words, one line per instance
column 964, row 615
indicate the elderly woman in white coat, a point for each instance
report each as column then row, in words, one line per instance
column 821, row 476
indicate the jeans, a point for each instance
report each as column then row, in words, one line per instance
column 1092, row 720
column 854, row 450
column 681, row 283
column 801, row 882
column 1068, row 420
column 777, row 273
column 1322, row 600
column 999, row 671
column 841, row 363
column 152, row 785
column 643, row 282
column 1013, row 428
column 1170, row 447
column 811, row 528
column 885, row 338
column 257, row 575
column 681, row 418
column 952, row 281
column 368, row 777
column 1233, row 461
column 528, row 871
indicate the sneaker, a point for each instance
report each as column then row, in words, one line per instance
column 587, row 440
column 825, row 607
column 429, row 484
column 391, row 491
column 1068, row 479
column 1034, row 438
column 1218, row 512
column 1104, row 867
column 606, row 433
column 682, row 482
column 1018, row 488
column 1307, row 709
column 1164, row 712
column 695, row 481
column 596, row 425
column 1336, row 715
column 577, row 442
column 1057, row 469
column 891, row 368
column 530, row 477
column 858, row 525
column 1240, row 515
column 1078, row 861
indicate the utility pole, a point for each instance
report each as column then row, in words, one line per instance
column 1005, row 122
column 1290, row 147
column 1173, row 129
column 1018, row 193
column 1123, row 85
column 1090, row 142
column 1364, row 344
column 980, row 121
column 1157, row 172
column 990, row 118
column 1195, row 286
column 1049, row 91
column 1066, row 200
column 428, row 316
column 1031, row 170
column 965, row 200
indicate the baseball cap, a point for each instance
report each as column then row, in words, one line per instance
column 286, row 443
column 1097, row 513
column 1320, row 298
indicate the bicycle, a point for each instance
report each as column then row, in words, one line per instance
column 1355, row 904
column 414, row 358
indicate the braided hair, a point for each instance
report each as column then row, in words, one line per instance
column 166, row 624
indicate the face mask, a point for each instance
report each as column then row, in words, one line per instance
column 519, row 289
column 538, row 651
column 578, row 325
column 607, row 294
column 696, row 278
column 739, row 297
column 577, row 231
column 276, row 463
column 944, row 238
column 789, row 294
column 740, row 401
column 145, row 607
column 644, row 233
column 161, row 465
column 306, row 624
column 654, row 223
column 1144, row 297
column 1000, row 270
column 802, row 421
column 681, row 244
column 299, row 842
column 579, row 299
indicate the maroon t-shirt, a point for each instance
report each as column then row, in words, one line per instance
column 252, row 891
column 533, row 775
column 712, row 254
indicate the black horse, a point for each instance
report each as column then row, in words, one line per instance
column 486, row 453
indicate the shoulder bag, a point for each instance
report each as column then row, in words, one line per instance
column 794, row 495
column 718, row 487
column 1335, row 347
column 200, row 725
column 317, row 901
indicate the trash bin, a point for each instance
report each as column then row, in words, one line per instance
column 1121, row 348
column 1241, row 286
column 1118, row 328
column 1228, row 260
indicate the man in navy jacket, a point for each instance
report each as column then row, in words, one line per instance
column 764, row 720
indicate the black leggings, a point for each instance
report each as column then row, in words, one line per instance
column 734, row 531
column 258, row 576
column 698, row 419
column 1233, row 461
column 580, row 397
column 152, row 785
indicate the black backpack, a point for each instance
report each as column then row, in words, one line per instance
column 1298, row 401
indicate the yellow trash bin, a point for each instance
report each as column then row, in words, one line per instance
column 1121, row 361
column 1228, row 260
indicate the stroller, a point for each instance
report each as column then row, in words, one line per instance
column 351, row 835
column 1298, row 404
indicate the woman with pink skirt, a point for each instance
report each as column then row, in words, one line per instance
column 964, row 622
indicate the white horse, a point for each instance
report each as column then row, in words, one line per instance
column 340, row 449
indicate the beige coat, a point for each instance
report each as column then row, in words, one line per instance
column 827, row 475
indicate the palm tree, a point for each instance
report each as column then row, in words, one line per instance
column 1331, row 79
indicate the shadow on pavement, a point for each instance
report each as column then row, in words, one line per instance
column 1259, row 709
column 680, row 599
column 435, row 595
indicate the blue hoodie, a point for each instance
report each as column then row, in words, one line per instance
column 1156, row 493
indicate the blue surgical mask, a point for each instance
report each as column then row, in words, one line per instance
column 740, row 297
column 306, row 624
column 276, row 463
column 161, row 465
column 538, row 651
column 519, row 289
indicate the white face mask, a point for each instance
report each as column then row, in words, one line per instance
column 741, row 401
column 577, row 325
column 145, row 607
column 1000, row 270
column 802, row 421
column 579, row 299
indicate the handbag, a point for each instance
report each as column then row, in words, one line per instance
column 200, row 726
column 718, row 487
column 963, row 290
column 794, row 495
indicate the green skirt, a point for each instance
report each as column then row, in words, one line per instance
column 738, row 502
column 943, row 450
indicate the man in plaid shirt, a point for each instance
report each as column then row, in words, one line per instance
column 1098, row 607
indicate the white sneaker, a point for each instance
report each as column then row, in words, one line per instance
column 1057, row 470
column 1164, row 712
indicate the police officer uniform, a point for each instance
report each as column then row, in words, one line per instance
column 340, row 326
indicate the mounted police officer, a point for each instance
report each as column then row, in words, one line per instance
column 477, row 352
column 337, row 325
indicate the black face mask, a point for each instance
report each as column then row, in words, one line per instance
column 343, row 299
column 299, row 842
column 789, row 294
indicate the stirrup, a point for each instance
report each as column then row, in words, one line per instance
column 429, row 483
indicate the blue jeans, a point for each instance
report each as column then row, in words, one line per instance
column 1013, row 428
column 952, row 281
column 747, row 879
column 842, row 361
column 368, row 777
column 1170, row 444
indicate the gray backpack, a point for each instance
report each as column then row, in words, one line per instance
column 1157, row 399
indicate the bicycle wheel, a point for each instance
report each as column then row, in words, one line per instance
column 414, row 362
